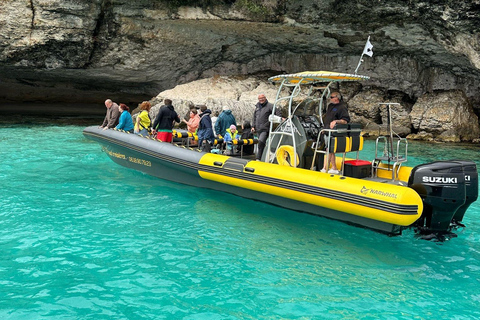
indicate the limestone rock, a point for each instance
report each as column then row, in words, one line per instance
column 440, row 116
column 87, row 50
column 445, row 116
column 239, row 94
column 369, row 109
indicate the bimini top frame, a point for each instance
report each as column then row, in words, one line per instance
column 297, row 80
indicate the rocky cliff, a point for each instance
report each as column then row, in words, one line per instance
column 85, row 50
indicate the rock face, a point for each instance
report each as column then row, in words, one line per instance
column 87, row 50
column 240, row 95
column 446, row 116
column 441, row 116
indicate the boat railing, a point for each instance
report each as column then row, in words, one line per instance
column 287, row 122
column 393, row 158
column 336, row 140
column 393, row 149
column 289, row 132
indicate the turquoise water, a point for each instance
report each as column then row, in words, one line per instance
column 84, row 238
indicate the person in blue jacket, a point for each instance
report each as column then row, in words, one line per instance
column 224, row 121
column 230, row 135
column 125, row 122
column 205, row 130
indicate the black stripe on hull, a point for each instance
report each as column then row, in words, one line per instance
column 182, row 165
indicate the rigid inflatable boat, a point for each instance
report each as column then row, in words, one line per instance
column 382, row 194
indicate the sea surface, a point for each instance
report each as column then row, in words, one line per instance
column 84, row 238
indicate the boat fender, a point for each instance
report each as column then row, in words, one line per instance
column 285, row 156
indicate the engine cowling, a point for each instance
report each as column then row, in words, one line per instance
column 441, row 185
column 471, row 188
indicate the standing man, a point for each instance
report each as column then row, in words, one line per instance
column 224, row 121
column 164, row 120
column 112, row 116
column 337, row 112
column 261, row 124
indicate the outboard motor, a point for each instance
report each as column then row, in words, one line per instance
column 441, row 185
column 471, row 185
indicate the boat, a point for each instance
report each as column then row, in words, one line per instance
column 382, row 194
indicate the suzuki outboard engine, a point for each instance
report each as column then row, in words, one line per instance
column 471, row 185
column 441, row 185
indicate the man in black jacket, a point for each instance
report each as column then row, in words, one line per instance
column 337, row 113
column 164, row 121
column 261, row 124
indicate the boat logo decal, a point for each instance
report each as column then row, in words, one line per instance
column 114, row 154
column 366, row 191
column 439, row 179
column 131, row 159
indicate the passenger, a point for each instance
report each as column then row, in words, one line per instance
column 143, row 123
column 190, row 108
column 125, row 122
column 192, row 124
column 230, row 135
column 214, row 121
column 224, row 121
column 205, row 130
column 112, row 116
column 261, row 124
column 247, row 134
column 163, row 124
column 337, row 112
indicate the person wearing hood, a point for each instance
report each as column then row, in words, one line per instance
column 205, row 130
column 224, row 121
column 230, row 135
column 247, row 134
column 163, row 124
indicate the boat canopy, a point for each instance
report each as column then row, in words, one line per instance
column 287, row 132
column 311, row 77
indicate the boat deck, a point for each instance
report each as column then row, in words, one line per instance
column 388, row 181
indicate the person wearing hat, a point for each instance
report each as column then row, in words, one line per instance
column 224, row 121
column 230, row 135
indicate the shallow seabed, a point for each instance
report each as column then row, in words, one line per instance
column 84, row 238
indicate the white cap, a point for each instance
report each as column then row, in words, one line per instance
column 225, row 108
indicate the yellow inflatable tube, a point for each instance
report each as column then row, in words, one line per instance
column 363, row 198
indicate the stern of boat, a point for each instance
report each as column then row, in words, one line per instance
column 447, row 189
